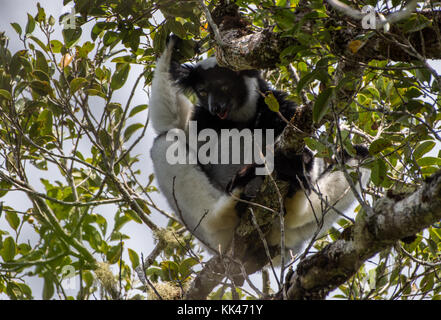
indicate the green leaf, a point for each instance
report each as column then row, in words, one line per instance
column 372, row 279
column 8, row 250
column 379, row 145
column 5, row 94
column 378, row 172
column 100, row 26
column 186, row 265
column 429, row 161
column 137, row 109
column 132, row 215
column 134, row 258
column 16, row 62
column 94, row 92
column 41, row 62
column 321, row 104
column 41, row 88
column 85, row 49
column 413, row 92
column 177, row 28
column 51, row 20
column 170, row 270
column 17, row 28
column 56, row 46
column 120, row 76
column 160, row 38
column 272, row 102
column 114, row 254
column 433, row 247
column 120, row 221
column 306, row 79
column 415, row 23
column 88, row 278
column 134, row 39
column 423, row 75
column 285, row 19
column 41, row 15
column 24, row 248
column 41, row 75
column 105, row 138
column 154, row 272
column 25, row 290
column 316, row 145
column 48, row 288
column 169, row 8
column 374, row 93
column 143, row 205
column 110, row 37
column 116, row 109
column 131, row 130
column 13, row 219
column 30, row 26
column 423, row 148
column 39, row 42
column 77, row 83
column 427, row 282
column 46, row 118
column 71, row 36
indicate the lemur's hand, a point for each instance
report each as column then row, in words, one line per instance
column 173, row 41
column 242, row 177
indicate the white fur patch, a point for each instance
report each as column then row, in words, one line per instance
column 207, row 63
column 248, row 109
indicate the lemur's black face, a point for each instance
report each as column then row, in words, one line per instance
column 220, row 90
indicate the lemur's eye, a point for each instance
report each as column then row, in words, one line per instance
column 224, row 88
column 202, row 92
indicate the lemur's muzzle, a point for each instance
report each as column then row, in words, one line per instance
column 221, row 109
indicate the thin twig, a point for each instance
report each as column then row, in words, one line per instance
column 212, row 24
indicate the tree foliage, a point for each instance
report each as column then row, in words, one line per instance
column 58, row 112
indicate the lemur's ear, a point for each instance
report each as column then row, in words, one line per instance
column 182, row 74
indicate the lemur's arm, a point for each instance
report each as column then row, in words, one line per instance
column 206, row 211
column 328, row 196
column 169, row 108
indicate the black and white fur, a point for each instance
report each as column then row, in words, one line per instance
column 229, row 99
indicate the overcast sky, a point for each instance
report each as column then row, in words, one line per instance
column 141, row 237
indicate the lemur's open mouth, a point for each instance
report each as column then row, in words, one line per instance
column 224, row 114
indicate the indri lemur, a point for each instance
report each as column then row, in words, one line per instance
column 201, row 193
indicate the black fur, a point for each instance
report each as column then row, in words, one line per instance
column 192, row 78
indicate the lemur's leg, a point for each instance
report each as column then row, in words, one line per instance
column 329, row 195
column 317, row 204
column 208, row 212
column 328, row 190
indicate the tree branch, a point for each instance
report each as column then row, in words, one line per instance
column 243, row 48
column 391, row 221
